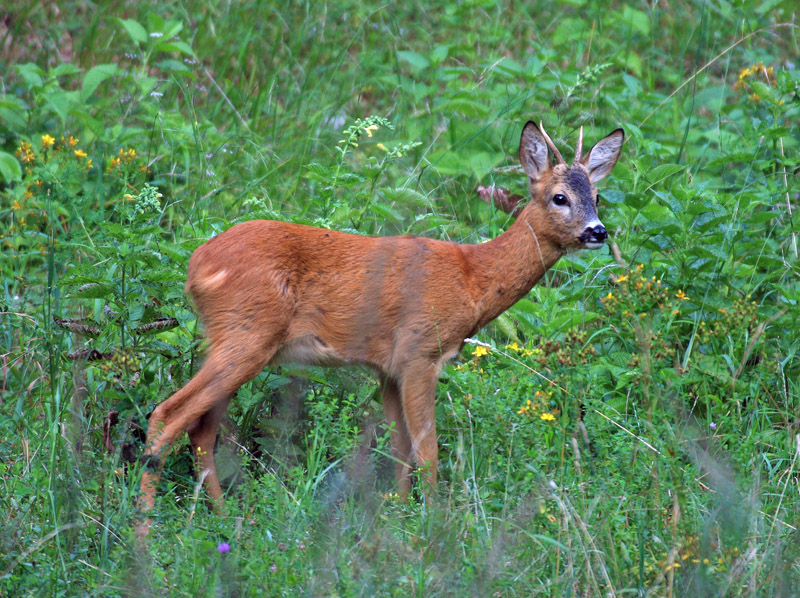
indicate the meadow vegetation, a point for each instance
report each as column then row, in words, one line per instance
column 631, row 428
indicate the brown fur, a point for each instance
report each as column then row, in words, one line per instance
column 270, row 292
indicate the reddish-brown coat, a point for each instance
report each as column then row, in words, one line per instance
column 270, row 292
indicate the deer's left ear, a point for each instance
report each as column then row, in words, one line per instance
column 602, row 157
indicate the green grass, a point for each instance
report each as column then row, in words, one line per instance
column 667, row 460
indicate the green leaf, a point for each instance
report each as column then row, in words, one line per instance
column 386, row 213
column 135, row 30
column 95, row 76
column 763, row 90
column 65, row 69
column 418, row 61
column 173, row 66
column 637, row 19
column 12, row 111
column 94, row 291
column 62, row 102
column 406, row 196
column 176, row 46
column 664, row 171
column 31, row 73
column 439, row 54
column 10, row 169
column 146, row 84
column 164, row 275
column 767, row 6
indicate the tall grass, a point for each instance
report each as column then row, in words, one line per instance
column 633, row 429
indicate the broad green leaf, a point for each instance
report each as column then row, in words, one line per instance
column 663, row 171
column 146, row 84
column 66, row 68
column 176, row 46
column 764, row 91
column 173, row 66
column 439, row 54
column 12, row 111
column 135, row 30
column 62, row 102
column 418, row 61
column 407, row 196
column 637, row 19
column 32, row 74
column 95, row 76
column 94, row 291
column 10, row 169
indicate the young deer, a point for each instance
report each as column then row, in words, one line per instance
column 274, row 292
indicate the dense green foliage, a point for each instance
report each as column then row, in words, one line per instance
column 632, row 427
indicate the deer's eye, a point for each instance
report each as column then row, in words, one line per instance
column 560, row 200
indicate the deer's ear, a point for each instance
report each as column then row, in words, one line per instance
column 533, row 151
column 602, row 157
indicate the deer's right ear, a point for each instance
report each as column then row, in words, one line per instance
column 533, row 151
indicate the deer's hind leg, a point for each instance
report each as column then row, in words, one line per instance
column 198, row 407
column 400, row 438
column 202, row 436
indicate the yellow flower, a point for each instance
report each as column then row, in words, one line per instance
column 480, row 351
column 47, row 141
column 370, row 129
column 89, row 164
column 548, row 417
column 681, row 295
column 514, row 347
column 72, row 141
column 382, row 147
column 622, row 278
column 80, row 154
column 16, row 205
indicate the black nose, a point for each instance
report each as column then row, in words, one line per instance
column 599, row 233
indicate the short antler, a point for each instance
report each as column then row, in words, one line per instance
column 579, row 148
column 551, row 145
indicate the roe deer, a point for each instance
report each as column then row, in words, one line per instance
column 273, row 292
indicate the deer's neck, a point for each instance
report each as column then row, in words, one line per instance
column 508, row 266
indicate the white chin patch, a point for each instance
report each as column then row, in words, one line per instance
column 593, row 245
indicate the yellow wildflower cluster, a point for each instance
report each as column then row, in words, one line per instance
column 736, row 321
column 124, row 157
column 522, row 351
column 636, row 293
column 755, row 70
column 27, row 155
column 539, row 405
column 690, row 554
column 480, row 351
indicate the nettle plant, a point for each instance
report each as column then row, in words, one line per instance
column 352, row 195
column 130, row 290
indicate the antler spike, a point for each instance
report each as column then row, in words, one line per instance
column 579, row 149
column 551, row 145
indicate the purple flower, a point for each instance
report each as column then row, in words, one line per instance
column 712, row 425
column 223, row 547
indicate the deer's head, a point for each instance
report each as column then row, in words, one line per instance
column 564, row 198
